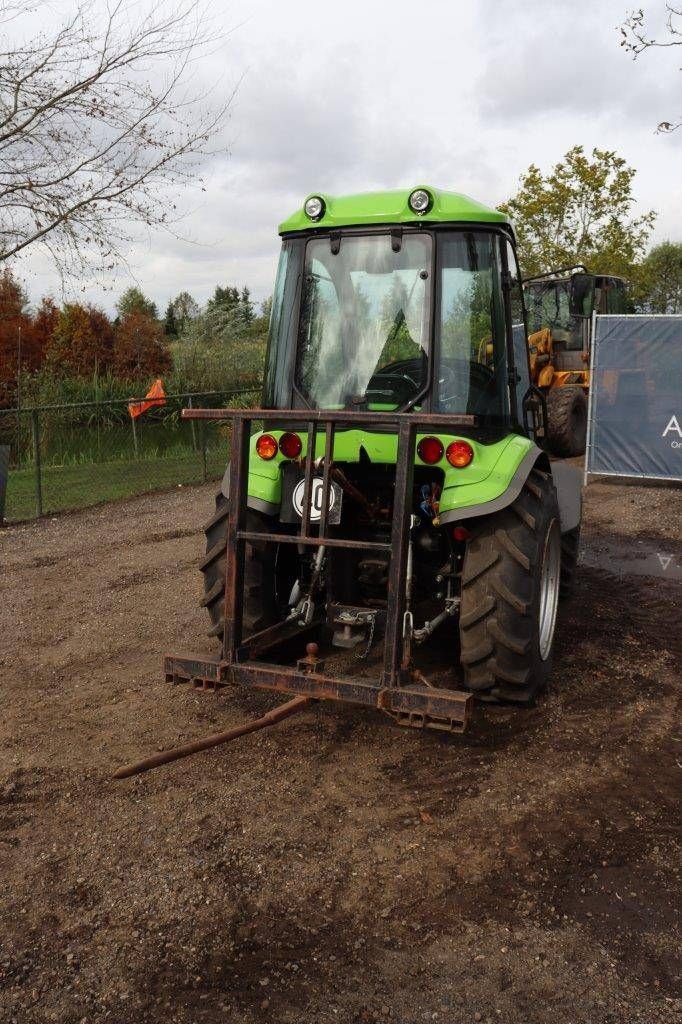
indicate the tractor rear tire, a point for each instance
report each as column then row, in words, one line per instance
column 510, row 591
column 260, row 608
column 570, row 544
column 567, row 421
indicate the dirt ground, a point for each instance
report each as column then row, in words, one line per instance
column 336, row 868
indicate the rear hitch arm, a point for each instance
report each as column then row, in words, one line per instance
column 215, row 740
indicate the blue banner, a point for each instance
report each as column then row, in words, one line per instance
column 635, row 418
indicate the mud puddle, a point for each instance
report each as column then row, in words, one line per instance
column 631, row 556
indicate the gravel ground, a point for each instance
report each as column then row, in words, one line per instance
column 335, row 868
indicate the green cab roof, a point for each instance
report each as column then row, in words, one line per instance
column 392, row 208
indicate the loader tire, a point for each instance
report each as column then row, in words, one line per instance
column 259, row 573
column 510, row 590
column 570, row 544
column 567, row 421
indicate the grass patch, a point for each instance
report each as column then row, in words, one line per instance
column 78, row 486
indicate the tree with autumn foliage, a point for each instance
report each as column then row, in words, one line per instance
column 82, row 342
column 13, row 326
column 23, row 338
column 140, row 347
column 44, row 325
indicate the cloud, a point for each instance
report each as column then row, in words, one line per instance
column 462, row 96
column 565, row 59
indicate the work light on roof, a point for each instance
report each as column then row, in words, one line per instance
column 314, row 207
column 420, row 201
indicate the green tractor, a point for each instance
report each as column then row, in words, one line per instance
column 394, row 483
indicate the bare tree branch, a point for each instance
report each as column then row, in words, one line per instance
column 97, row 127
column 636, row 39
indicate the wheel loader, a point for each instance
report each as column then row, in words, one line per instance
column 560, row 305
column 393, row 490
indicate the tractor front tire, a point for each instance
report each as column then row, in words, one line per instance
column 260, row 608
column 567, row 420
column 510, row 590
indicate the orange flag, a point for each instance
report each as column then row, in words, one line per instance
column 156, row 396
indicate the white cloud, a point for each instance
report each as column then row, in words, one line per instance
column 461, row 95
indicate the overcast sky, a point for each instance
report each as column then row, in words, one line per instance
column 365, row 94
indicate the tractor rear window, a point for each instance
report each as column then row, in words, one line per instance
column 364, row 322
column 471, row 373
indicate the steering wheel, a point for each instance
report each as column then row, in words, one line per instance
column 466, row 387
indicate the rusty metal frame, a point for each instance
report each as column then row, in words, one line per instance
column 400, row 692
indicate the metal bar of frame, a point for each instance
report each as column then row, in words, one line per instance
column 638, row 316
column 590, row 396
column 326, row 477
column 308, row 478
column 315, row 542
column 234, row 566
column 400, row 540
column 286, row 416
column 633, row 476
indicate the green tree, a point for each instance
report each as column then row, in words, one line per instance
column 223, row 298
column 468, row 325
column 182, row 310
column 247, row 305
column 658, row 286
column 231, row 300
column 266, row 309
column 135, row 301
column 170, row 326
column 580, row 212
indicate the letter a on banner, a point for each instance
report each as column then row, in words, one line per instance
column 673, row 425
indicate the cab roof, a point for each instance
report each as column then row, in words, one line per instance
column 392, row 208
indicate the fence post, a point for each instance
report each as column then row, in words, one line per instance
column 4, row 473
column 133, row 420
column 202, row 435
column 193, row 426
column 35, row 432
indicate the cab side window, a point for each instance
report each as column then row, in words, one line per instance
column 615, row 298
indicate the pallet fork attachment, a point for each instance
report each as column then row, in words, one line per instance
column 401, row 691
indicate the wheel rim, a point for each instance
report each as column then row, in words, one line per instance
column 549, row 589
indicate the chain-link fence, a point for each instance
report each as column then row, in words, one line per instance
column 61, row 457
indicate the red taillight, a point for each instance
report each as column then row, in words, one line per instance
column 290, row 446
column 266, row 447
column 459, row 454
column 460, row 533
column 430, row 450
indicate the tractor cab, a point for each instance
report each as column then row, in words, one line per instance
column 406, row 309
